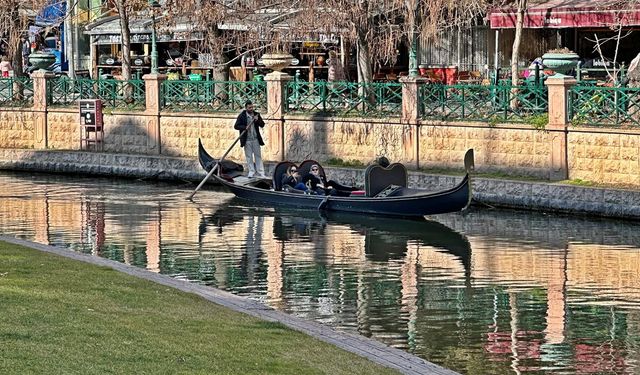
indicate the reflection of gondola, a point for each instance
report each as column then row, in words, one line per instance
column 384, row 233
column 393, row 199
column 385, row 238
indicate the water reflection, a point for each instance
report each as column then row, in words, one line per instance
column 485, row 292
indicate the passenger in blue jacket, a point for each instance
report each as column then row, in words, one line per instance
column 251, row 140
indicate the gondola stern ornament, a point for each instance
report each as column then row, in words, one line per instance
column 469, row 162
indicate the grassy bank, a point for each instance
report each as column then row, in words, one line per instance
column 62, row 316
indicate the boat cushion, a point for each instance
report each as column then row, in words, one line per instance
column 378, row 178
column 358, row 193
column 389, row 191
column 278, row 172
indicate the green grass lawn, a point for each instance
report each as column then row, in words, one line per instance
column 59, row 316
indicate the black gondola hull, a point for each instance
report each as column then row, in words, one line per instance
column 428, row 203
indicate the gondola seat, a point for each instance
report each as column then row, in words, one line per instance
column 378, row 179
column 278, row 172
column 305, row 168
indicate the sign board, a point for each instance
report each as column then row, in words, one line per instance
column 90, row 112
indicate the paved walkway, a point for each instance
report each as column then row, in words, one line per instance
column 365, row 347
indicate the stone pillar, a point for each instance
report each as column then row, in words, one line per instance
column 276, row 108
column 40, row 103
column 559, row 86
column 411, row 114
column 153, row 99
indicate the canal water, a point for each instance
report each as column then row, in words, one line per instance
column 484, row 292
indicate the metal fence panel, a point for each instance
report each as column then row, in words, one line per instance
column 16, row 92
column 483, row 103
column 113, row 93
column 213, row 96
column 604, row 106
column 345, row 98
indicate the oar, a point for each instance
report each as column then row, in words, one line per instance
column 323, row 204
column 215, row 167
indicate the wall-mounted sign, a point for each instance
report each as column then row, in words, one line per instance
column 146, row 38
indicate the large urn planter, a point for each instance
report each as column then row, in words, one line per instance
column 277, row 61
column 41, row 60
column 560, row 62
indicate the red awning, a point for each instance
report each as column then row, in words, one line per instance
column 559, row 14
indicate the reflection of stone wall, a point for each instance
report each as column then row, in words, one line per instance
column 17, row 129
column 519, row 149
column 610, row 157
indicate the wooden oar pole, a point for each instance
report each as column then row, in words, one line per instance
column 216, row 166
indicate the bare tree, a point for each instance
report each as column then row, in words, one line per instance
column 126, row 9
column 14, row 16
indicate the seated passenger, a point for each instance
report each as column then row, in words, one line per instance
column 291, row 180
column 313, row 180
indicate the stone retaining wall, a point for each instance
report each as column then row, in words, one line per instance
column 600, row 156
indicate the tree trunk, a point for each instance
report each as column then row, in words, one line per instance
column 365, row 73
column 522, row 7
column 126, row 39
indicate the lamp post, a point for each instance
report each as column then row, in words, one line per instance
column 154, row 50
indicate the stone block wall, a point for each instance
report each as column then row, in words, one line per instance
column 17, row 128
column 518, row 149
column 126, row 133
column 610, row 156
column 349, row 139
column 63, row 129
column 179, row 135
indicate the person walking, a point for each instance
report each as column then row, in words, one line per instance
column 5, row 67
column 251, row 140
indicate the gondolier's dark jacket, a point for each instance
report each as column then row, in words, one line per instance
column 241, row 125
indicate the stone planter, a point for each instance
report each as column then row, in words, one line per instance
column 277, row 61
column 40, row 60
column 560, row 62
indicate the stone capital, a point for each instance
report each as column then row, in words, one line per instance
column 42, row 74
column 278, row 76
column 412, row 80
column 154, row 77
column 560, row 80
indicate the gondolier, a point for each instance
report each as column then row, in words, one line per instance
column 251, row 140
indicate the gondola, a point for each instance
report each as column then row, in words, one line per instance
column 385, row 192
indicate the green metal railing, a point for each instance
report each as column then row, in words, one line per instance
column 483, row 103
column 370, row 99
column 64, row 91
column 213, row 96
column 608, row 106
column 16, row 92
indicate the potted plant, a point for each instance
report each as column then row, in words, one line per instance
column 560, row 60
